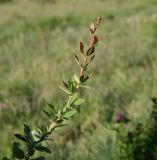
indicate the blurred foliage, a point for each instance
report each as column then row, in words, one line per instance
column 3, row 1
column 35, row 40
column 137, row 140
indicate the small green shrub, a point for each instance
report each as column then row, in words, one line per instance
column 137, row 140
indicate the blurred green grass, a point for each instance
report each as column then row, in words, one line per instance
column 37, row 42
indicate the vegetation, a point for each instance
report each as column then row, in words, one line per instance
column 33, row 139
column 36, row 46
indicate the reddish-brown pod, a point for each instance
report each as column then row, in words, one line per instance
column 81, row 47
column 91, row 40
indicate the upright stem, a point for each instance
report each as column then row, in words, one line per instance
column 59, row 115
column 52, row 126
column 85, row 60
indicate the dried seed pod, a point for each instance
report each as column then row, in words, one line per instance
column 96, row 39
column 93, row 40
column 98, row 20
column 90, row 51
column 92, row 28
column 81, row 47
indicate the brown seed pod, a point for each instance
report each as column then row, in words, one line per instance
column 81, row 47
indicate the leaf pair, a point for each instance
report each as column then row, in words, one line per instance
column 32, row 142
column 74, row 101
column 69, row 88
column 49, row 111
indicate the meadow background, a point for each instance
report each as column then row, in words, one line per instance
column 38, row 40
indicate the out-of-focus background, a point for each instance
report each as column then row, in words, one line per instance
column 38, row 40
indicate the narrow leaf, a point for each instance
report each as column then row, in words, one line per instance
column 42, row 149
column 38, row 158
column 85, row 87
column 69, row 113
column 77, row 60
column 82, row 78
column 5, row 158
column 81, row 47
column 92, row 58
column 35, row 135
column 58, row 127
column 21, row 137
column 76, row 57
column 154, row 100
column 46, row 113
column 64, row 90
column 86, row 78
column 73, row 98
column 78, row 102
column 65, row 85
column 90, row 51
column 52, row 107
column 27, row 129
column 17, row 152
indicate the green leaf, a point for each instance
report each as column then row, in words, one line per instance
column 38, row 158
column 21, row 137
column 58, row 127
column 17, row 152
column 81, row 47
column 65, row 85
column 86, row 78
column 49, row 111
column 31, row 151
column 35, row 135
column 59, row 121
column 27, row 130
column 46, row 113
column 90, row 51
column 72, row 86
column 5, row 158
column 73, row 98
column 78, row 102
column 69, row 113
column 42, row 149
column 92, row 58
column 52, row 107
column 77, row 60
column 65, row 90
column 87, row 87
column 83, row 78
column 154, row 100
